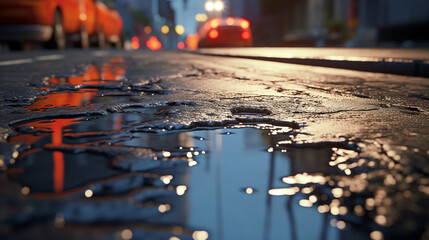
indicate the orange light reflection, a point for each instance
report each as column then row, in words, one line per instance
column 93, row 75
column 192, row 41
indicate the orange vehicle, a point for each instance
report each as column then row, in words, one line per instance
column 225, row 32
column 108, row 25
column 54, row 22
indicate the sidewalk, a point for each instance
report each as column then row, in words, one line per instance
column 408, row 62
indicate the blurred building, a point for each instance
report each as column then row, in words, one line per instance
column 340, row 22
column 392, row 23
column 138, row 14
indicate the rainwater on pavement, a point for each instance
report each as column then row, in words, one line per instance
column 126, row 173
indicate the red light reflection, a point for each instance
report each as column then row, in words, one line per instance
column 135, row 43
column 181, row 45
column 93, row 75
column 192, row 41
column 154, row 44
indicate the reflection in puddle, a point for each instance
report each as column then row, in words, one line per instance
column 81, row 89
column 238, row 179
column 125, row 175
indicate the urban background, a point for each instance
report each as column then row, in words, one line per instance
column 350, row 23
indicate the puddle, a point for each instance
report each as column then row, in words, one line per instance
column 238, row 179
column 97, row 84
column 126, row 173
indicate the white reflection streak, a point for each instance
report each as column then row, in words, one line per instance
column 218, row 147
column 50, row 57
column 15, row 62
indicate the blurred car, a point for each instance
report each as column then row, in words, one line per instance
column 54, row 22
column 109, row 24
column 225, row 32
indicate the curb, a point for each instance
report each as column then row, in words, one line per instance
column 406, row 67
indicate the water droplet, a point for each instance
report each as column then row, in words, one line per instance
column 126, row 234
column 180, row 190
column 381, row 219
column 337, row 192
column 249, row 190
column 283, row 191
column 335, row 211
column 25, row 190
column 192, row 163
column 341, row 225
column 200, row 235
column 167, row 179
column 164, row 208
column 376, row 235
column 323, row 208
column 305, row 203
column 88, row 193
column 166, row 154
column 347, row 171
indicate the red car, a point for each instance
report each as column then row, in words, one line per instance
column 225, row 32
column 54, row 22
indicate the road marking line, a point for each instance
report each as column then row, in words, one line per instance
column 14, row 62
column 28, row 60
column 50, row 57
column 101, row 53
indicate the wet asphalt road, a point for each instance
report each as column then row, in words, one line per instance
column 382, row 119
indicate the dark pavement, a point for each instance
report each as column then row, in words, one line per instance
column 366, row 133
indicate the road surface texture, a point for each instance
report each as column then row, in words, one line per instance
column 176, row 145
column 408, row 62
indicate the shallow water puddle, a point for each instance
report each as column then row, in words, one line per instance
column 127, row 173
column 96, row 84
column 222, row 179
column 242, row 178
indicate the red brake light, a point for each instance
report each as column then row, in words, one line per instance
column 244, row 24
column 213, row 34
column 246, row 35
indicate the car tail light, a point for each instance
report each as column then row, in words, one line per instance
column 230, row 21
column 214, row 23
column 213, row 34
column 246, row 35
column 244, row 24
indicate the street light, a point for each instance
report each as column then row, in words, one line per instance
column 180, row 29
column 201, row 17
column 218, row 6
column 209, row 6
column 165, row 29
